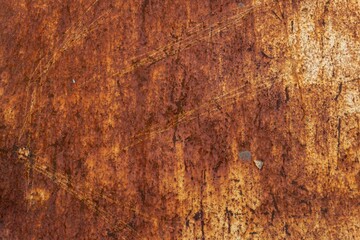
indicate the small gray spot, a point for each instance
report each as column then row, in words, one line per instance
column 259, row 164
column 240, row 4
column 245, row 155
column 73, row 81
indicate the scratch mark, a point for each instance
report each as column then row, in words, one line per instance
column 226, row 99
column 274, row 13
column 27, row 119
column 185, row 42
column 25, row 155
column 193, row 36
column 72, row 35
column 63, row 183
column 68, row 38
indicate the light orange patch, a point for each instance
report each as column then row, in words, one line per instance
column 37, row 196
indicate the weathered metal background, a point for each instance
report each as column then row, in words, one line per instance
column 179, row 119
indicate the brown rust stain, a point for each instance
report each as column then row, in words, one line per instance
column 128, row 120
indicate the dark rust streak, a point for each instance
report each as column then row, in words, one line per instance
column 228, row 215
column 287, row 97
column 202, row 206
column 286, row 228
column 339, row 136
column 339, row 92
column 274, row 202
column 174, row 135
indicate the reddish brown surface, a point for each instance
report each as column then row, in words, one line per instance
column 125, row 119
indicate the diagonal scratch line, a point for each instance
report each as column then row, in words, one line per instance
column 70, row 41
column 50, row 62
column 211, row 106
column 70, row 187
column 76, row 32
column 184, row 115
column 182, row 44
column 76, row 25
column 223, row 100
column 64, row 184
column 193, row 32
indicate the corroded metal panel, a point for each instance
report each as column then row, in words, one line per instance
column 168, row 119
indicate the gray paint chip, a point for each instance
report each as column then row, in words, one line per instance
column 245, row 155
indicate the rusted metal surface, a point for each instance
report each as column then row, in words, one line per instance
column 179, row 119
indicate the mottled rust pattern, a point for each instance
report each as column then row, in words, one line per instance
column 195, row 119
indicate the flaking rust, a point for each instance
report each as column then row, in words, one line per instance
column 179, row 119
column 23, row 153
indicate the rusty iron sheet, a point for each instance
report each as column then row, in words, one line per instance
column 188, row 119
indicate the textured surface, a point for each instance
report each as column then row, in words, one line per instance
column 179, row 119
